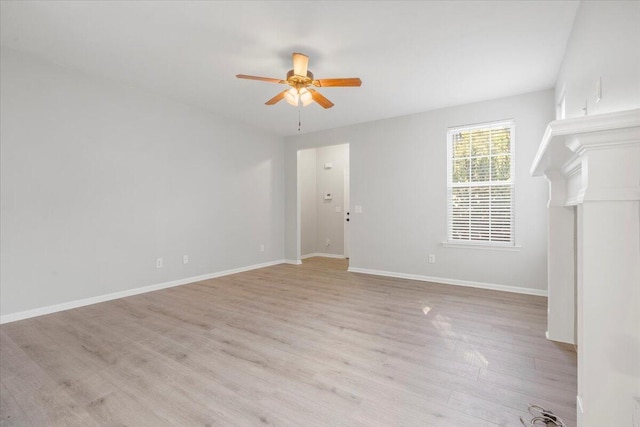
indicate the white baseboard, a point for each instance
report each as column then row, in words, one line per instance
column 322, row 255
column 555, row 337
column 455, row 282
column 7, row 318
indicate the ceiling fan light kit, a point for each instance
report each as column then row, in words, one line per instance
column 301, row 79
column 296, row 97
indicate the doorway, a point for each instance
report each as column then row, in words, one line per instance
column 323, row 195
column 347, row 209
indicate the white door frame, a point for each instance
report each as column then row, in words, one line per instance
column 299, row 204
column 346, row 210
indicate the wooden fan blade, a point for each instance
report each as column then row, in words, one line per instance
column 276, row 98
column 320, row 99
column 300, row 64
column 262, row 79
column 351, row 81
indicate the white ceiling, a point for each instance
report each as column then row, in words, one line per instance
column 411, row 56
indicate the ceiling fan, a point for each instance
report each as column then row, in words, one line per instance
column 301, row 79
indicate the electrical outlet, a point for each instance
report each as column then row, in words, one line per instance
column 262, row 248
column 185, row 259
column 159, row 263
column 432, row 258
column 328, row 242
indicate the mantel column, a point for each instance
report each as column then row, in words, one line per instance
column 561, row 261
column 608, row 278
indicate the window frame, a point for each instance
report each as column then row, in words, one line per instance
column 481, row 244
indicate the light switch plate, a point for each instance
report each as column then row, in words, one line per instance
column 358, row 209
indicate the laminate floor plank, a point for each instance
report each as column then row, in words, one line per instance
column 310, row 345
column 61, row 366
column 109, row 405
column 43, row 401
column 487, row 410
column 12, row 359
column 12, row 414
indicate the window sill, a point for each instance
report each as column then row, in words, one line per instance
column 482, row 246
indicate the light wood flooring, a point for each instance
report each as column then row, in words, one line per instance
column 309, row 345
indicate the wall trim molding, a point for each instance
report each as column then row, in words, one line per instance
column 322, row 255
column 291, row 261
column 455, row 282
column 21, row 315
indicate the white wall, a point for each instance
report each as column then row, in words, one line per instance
column 98, row 180
column 398, row 176
column 308, row 200
column 604, row 43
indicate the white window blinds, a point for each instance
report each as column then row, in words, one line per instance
column 481, row 184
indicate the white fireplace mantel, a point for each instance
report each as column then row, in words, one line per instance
column 592, row 164
column 553, row 152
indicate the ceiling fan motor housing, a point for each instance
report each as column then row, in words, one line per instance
column 297, row 81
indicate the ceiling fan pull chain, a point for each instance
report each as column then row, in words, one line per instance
column 299, row 120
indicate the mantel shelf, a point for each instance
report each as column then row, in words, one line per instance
column 553, row 152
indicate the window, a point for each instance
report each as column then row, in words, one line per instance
column 481, row 184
